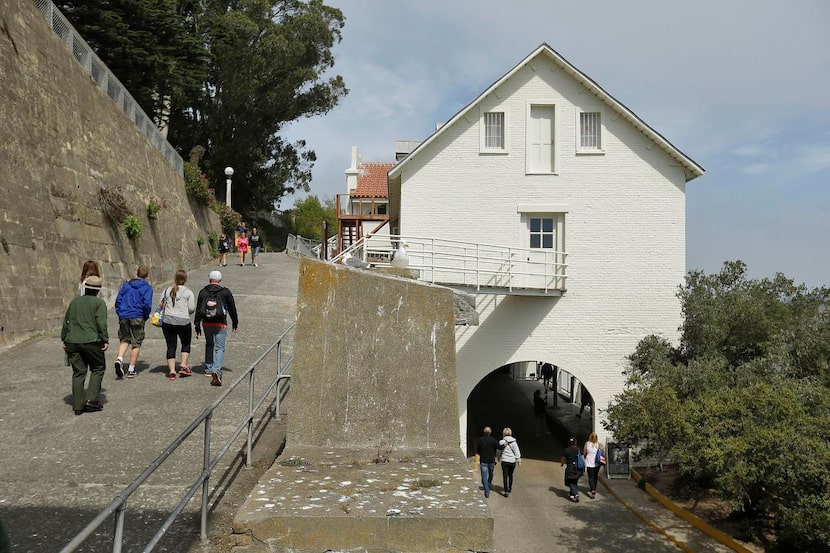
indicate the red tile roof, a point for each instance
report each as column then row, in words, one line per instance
column 371, row 181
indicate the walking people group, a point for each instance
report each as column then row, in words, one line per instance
column 488, row 449
column 85, row 335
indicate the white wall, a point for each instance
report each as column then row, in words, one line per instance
column 624, row 235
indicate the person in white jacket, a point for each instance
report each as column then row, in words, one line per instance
column 510, row 457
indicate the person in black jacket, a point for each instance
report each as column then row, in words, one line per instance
column 486, row 451
column 214, row 320
column 572, row 472
column 255, row 241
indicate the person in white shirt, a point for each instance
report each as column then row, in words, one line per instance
column 510, row 457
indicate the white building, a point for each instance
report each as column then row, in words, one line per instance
column 543, row 161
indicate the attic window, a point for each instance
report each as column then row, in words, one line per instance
column 493, row 131
column 590, row 132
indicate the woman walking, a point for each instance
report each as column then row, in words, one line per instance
column 572, row 471
column 242, row 245
column 89, row 269
column 510, row 457
column 224, row 248
column 589, row 452
column 179, row 304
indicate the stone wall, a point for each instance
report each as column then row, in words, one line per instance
column 374, row 362
column 61, row 140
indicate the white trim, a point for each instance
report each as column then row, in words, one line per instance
column 482, row 147
column 542, row 208
column 600, row 139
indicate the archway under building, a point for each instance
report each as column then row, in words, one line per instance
column 505, row 398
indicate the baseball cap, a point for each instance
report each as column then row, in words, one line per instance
column 215, row 275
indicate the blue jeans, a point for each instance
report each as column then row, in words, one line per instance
column 215, row 338
column 487, row 470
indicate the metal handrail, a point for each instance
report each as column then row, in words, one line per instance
column 119, row 504
column 475, row 265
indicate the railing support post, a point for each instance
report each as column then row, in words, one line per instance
column 118, row 537
column 250, row 438
column 203, row 534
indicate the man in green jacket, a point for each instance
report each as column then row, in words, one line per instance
column 85, row 339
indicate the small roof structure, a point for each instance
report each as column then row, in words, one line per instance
column 371, row 180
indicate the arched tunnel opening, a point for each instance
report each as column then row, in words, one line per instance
column 505, row 399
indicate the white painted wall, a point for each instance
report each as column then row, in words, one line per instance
column 624, row 234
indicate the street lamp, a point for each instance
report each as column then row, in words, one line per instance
column 229, row 174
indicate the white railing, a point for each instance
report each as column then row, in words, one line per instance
column 302, row 246
column 469, row 265
column 108, row 82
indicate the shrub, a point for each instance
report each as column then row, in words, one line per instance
column 200, row 240
column 230, row 218
column 132, row 226
column 195, row 182
column 153, row 210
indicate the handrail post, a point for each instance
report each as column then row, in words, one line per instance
column 250, row 439
column 118, row 537
column 203, row 535
column 279, row 382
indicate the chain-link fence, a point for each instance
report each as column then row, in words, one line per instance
column 107, row 81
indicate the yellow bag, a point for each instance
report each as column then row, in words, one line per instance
column 155, row 318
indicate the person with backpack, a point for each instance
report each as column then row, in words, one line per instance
column 572, row 457
column 213, row 306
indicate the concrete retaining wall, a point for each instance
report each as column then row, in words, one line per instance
column 61, row 140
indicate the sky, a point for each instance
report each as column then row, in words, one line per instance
column 740, row 86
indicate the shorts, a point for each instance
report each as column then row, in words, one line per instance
column 255, row 250
column 131, row 331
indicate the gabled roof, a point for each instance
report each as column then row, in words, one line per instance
column 691, row 168
column 371, row 180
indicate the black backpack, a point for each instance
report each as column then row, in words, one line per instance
column 213, row 310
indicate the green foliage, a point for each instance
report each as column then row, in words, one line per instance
column 133, row 228
column 268, row 64
column 307, row 216
column 200, row 240
column 213, row 239
column 153, row 46
column 229, row 218
column 153, row 210
column 742, row 404
column 195, row 182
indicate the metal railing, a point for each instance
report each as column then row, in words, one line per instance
column 470, row 265
column 118, row 506
column 302, row 246
column 108, row 82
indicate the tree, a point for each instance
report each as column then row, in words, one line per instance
column 742, row 403
column 228, row 75
column 151, row 46
column 306, row 219
column 267, row 65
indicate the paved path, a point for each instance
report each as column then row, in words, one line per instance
column 59, row 470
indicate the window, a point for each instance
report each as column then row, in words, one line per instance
column 541, row 151
column 590, row 131
column 493, row 123
column 542, row 232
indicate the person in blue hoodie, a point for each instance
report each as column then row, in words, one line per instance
column 133, row 305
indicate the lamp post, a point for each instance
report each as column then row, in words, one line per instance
column 229, row 174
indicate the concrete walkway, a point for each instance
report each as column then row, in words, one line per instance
column 61, row 469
